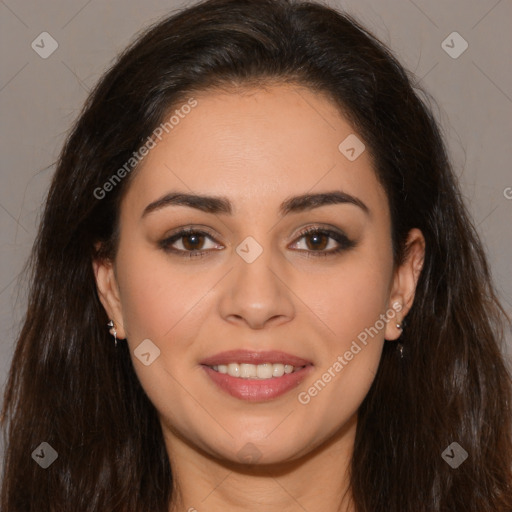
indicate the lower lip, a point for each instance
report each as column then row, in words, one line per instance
column 258, row 390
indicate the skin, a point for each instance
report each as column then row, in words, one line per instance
column 257, row 147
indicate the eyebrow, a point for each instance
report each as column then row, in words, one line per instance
column 222, row 205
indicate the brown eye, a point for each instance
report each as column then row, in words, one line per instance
column 192, row 243
column 318, row 240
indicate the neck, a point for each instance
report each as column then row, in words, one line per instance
column 316, row 481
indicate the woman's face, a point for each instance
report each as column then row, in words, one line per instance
column 260, row 284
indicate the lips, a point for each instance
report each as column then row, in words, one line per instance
column 250, row 357
column 254, row 389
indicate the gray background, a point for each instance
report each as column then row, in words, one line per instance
column 40, row 98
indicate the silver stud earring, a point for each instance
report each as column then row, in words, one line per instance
column 400, row 346
column 113, row 330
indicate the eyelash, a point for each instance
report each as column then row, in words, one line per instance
column 344, row 242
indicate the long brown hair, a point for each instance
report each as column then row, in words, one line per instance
column 71, row 388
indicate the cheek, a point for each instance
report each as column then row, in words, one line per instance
column 352, row 303
column 351, row 298
column 164, row 305
column 155, row 295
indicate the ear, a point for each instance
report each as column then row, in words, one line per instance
column 108, row 291
column 405, row 280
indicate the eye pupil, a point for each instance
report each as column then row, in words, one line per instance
column 316, row 237
column 192, row 236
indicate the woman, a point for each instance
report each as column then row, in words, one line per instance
column 256, row 287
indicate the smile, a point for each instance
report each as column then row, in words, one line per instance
column 255, row 371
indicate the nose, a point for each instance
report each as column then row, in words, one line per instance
column 258, row 293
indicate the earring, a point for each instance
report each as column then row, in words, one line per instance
column 113, row 330
column 400, row 346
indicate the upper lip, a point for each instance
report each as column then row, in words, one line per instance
column 251, row 357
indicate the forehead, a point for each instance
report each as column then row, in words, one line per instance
column 256, row 146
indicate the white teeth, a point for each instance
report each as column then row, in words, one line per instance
column 278, row 370
column 255, row 371
column 264, row 371
column 234, row 369
column 247, row 371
